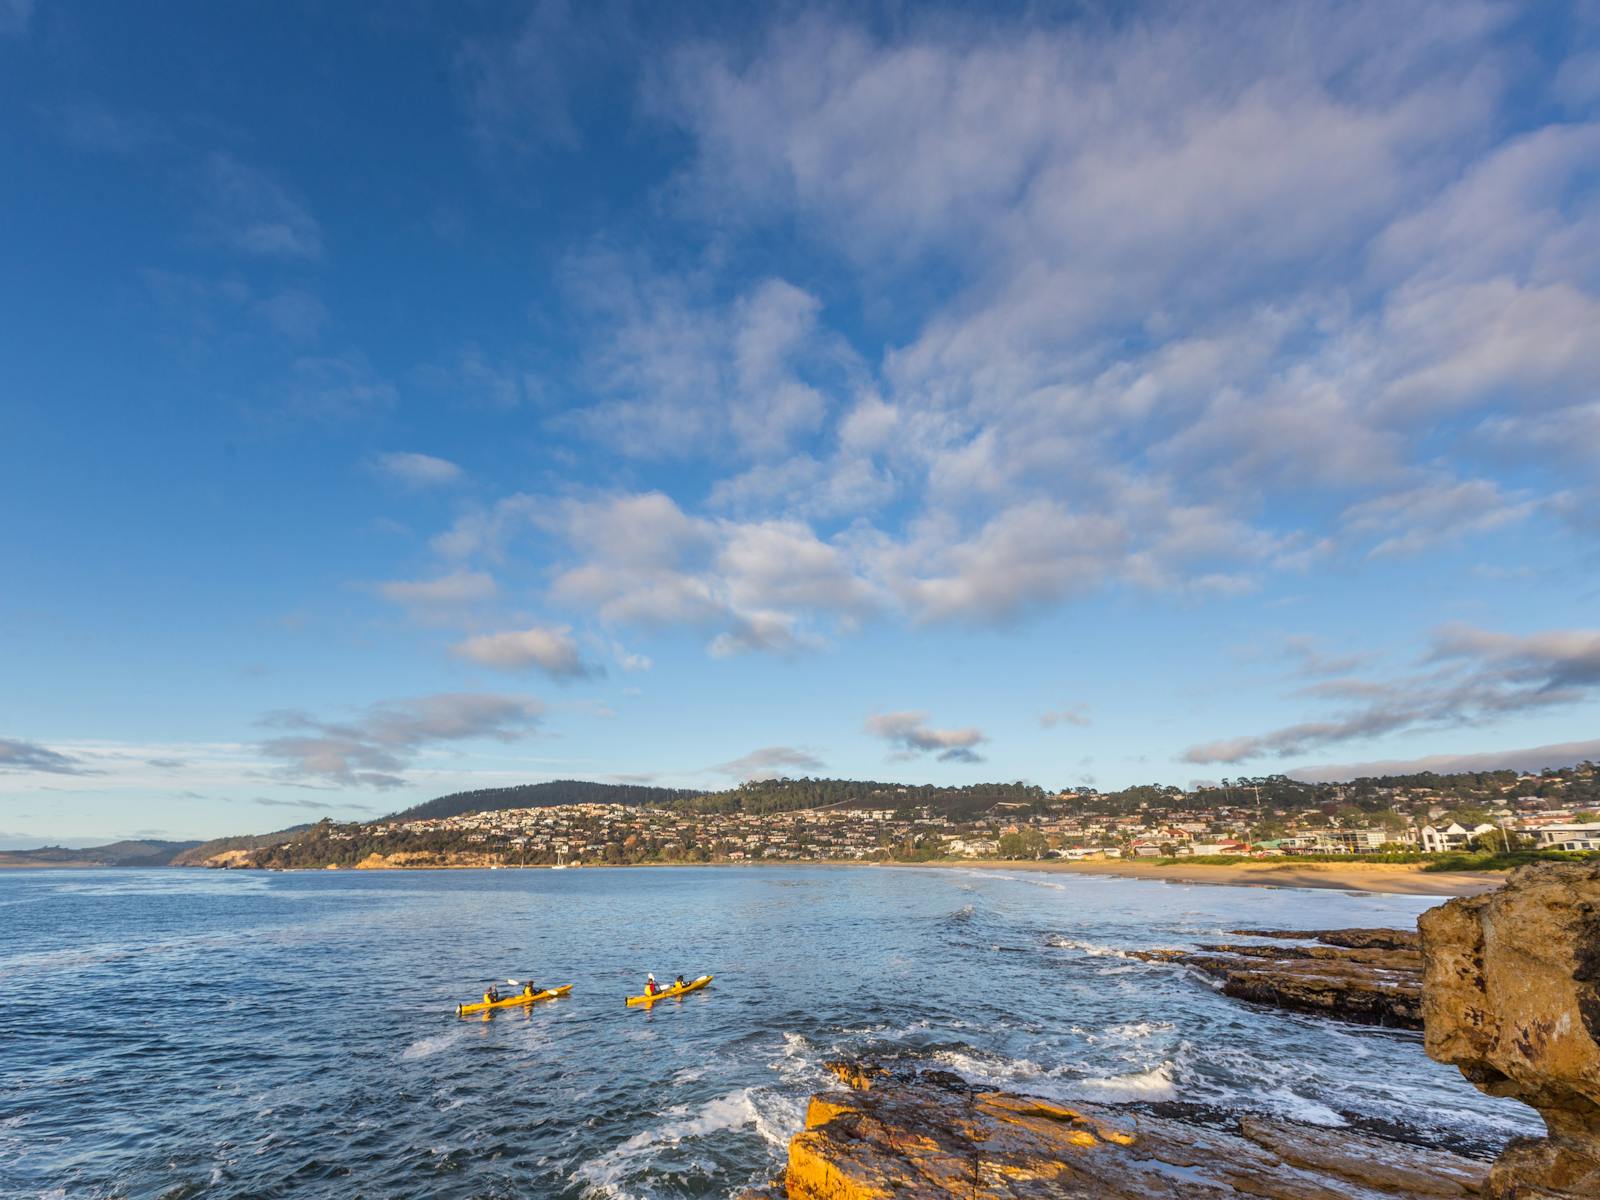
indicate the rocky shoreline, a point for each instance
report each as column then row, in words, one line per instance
column 930, row 1134
column 1506, row 986
column 1371, row 976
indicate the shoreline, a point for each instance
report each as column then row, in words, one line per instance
column 1399, row 879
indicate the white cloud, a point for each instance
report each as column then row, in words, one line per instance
column 417, row 470
column 249, row 210
column 628, row 660
column 1072, row 714
column 550, row 649
column 1445, row 510
column 1170, row 305
column 911, row 732
column 441, row 597
column 769, row 762
column 686, row 374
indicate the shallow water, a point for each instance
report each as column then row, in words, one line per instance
column 186, row 1033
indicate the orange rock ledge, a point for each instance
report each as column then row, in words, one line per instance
column 930, row 1135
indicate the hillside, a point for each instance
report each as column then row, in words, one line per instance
column 541, row 795
column 113, row 854
column 198, row 852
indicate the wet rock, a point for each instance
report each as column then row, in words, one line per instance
column 1371, row 976
column 916, row 1137
column 1512, row 997
column 1410, row 960
column 1353, row 939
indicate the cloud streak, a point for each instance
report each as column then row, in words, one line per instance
column 373, row 746
column 20, row 756
column 417, row 470
column 1528, row 759
column 1476, row 676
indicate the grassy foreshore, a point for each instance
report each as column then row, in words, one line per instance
column 1407, row 879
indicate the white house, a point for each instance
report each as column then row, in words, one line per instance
column 1567, row 837
column 1453, row 837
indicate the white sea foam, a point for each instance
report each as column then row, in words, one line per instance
column 988, row 1068
column 429, row 1046
column 606, row 1173
column 1137, row 1029
column 1284, row 1102
column 1062, row 942
column 1154, row 1084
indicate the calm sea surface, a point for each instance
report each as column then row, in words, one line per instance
column 188, row 1033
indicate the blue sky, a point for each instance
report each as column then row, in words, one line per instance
column 415, row 397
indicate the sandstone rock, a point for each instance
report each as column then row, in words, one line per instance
column 1371, row 976
column 915, row 1137
column 1511, row 995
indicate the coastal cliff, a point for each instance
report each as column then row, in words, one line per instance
column 1509, row 992
column 1511, row 995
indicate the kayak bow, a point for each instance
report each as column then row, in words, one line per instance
column 467, row 1010
column 694, row 985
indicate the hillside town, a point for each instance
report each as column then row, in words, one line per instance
column 1520, row 812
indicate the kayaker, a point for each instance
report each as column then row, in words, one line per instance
column 678, row 983
column 527, row 988
column 492, row 995
column 650, row 988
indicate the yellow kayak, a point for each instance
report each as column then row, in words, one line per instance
column 466, row 1010
column 694, row 985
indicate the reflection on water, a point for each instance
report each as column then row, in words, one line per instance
column 171, row 1033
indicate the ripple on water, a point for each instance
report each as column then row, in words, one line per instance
column 239, row 1045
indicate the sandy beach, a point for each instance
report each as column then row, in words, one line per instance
column 1400, row 878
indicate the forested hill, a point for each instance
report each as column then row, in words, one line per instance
column 542, row 795
column 785, row 795
column 115, row 854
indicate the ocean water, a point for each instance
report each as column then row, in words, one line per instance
column 221, row 1034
